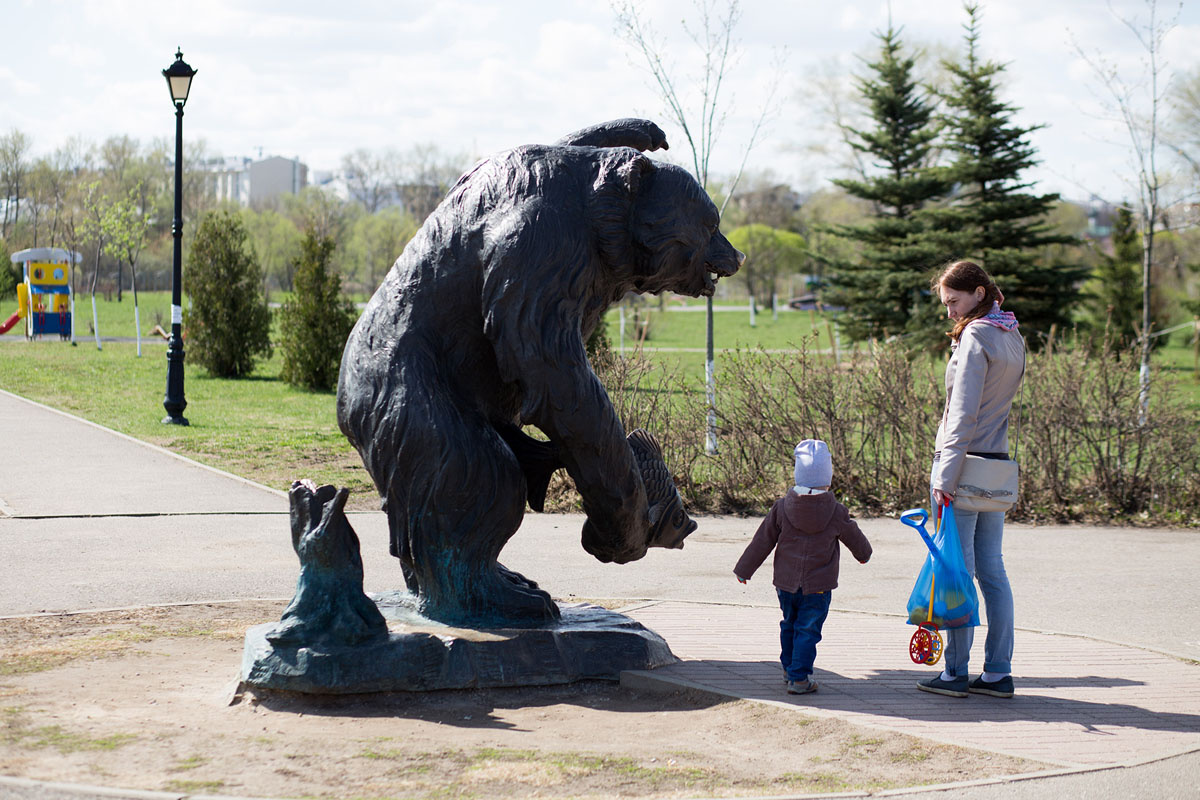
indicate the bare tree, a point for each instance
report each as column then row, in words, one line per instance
column 370, row 177
column 424, row 175
column 1185, row 121
column 125, row 223
column 14, row 166
column 95, row 206
column 1137, row 103
column 714, row 40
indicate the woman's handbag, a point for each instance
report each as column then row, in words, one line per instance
column 987, row 484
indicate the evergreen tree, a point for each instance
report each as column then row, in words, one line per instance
column 316, row 321
column 884, row 285
column 10, row 273
column 229, row 323
column 1114, row 294
column 995, row 218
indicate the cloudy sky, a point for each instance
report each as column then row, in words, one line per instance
column 317, row 79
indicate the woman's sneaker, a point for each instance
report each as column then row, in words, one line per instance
column 954, row 688
column 1000, row 688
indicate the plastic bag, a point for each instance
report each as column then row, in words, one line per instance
column 944, row 576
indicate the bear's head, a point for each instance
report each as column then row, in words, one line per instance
column 676, row 239
column 657, row 228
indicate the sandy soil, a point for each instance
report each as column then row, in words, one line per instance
column 145, row 699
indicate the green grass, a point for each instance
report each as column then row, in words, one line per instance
column 677, row 339
column 731, row 328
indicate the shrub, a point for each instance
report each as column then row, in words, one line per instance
column 229, row 324
column 315, row 322
column 10, row 273
column 1086, row 449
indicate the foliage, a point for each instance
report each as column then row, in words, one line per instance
column 770, row 254
column 124, row 224
column 1082, row 451
column 1113, row 295
column 994, row 218
column 276, row 244
column 374, row 243
column 884, row 284
column 1091, row 449
column 8, row 275
column 316, row 320
column 229, row 323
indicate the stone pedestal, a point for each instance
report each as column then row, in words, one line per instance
column 589, row 642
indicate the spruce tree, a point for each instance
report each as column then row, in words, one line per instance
column 316, row 321
column 1114, row 293
column 995, row 218
column 229, row 323
column 883, row 288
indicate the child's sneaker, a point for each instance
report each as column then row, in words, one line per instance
column 801, row 687
column 1000, row 688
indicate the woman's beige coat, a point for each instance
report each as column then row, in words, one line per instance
column 981, row 380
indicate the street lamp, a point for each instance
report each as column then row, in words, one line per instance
column 179, row 80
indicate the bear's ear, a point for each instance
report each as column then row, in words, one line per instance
column 619, row 171
column 619, row 175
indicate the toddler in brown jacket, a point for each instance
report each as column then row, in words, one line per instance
column 804, row 528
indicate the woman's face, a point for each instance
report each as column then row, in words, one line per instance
column 958, row 304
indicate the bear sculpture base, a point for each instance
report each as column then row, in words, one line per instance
column 588, row 642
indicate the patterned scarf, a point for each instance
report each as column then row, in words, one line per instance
column 1005, row 320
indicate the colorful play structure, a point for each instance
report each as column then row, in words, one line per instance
column 44, row 298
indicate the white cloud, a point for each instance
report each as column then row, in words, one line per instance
column 314, row 79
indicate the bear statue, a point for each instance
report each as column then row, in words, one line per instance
column 479, row 330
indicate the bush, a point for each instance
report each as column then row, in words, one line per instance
column 316, row 321
column 229, row 324
column 1086, row 450
column 10, row 274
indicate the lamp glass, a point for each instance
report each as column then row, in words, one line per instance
column 179, row 87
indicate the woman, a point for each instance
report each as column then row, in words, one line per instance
column 981, row 379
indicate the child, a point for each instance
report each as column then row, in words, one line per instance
column 803, row 528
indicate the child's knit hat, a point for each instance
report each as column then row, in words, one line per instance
column 814, row 467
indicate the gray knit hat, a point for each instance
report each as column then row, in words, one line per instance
column 814, row 467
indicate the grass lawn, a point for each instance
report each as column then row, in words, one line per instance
column 677, row 337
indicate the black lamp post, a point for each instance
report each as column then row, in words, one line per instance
column 179, row 79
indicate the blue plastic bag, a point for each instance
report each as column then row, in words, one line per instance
column 943, row 578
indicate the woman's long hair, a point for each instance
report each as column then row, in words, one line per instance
column 967, row 276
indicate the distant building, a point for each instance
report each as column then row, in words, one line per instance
column 254, row 183
column 1100, row 217
column 274, row 176
column 228, row 179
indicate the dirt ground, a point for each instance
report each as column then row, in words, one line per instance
column 144, row 699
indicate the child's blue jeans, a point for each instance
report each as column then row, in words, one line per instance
column 800, row 630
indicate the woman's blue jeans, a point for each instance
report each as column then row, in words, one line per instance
column 982, row 534
column 800, row 630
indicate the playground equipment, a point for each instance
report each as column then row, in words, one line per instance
column 44, row 297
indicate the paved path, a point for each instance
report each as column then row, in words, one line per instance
column 1106, row 657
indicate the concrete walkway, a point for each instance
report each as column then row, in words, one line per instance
column 1107, row 660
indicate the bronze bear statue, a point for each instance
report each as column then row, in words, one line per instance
column 479, row 329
